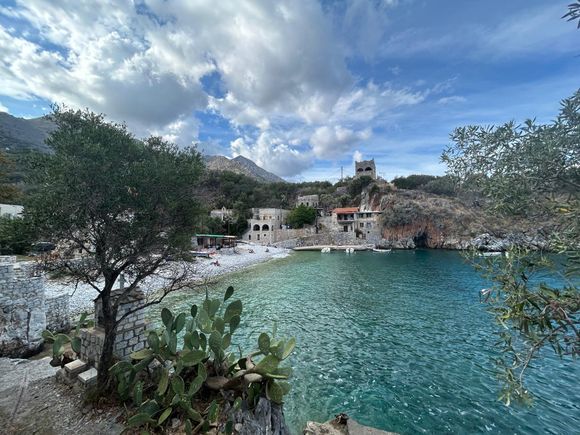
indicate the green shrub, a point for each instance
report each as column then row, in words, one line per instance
column 440, row 186
column 201, row 368
column 301, row 215
column 412, row 181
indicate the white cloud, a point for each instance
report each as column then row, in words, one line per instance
column 273, row 154
column 452, row 99
column 331, row 142
column 357, row 156
column 287, row 89
column 3, row 108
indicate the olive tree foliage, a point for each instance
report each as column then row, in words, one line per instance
column 530, row 169
column 573, row 13
column 114, row 205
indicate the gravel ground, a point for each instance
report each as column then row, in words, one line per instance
column 83, row 295
column 32, row 402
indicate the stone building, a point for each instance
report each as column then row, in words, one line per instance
column 266, row 225
column 222, row 213
column 363, row 223
column 11, row 210
column 308, row 200
column 366, row 167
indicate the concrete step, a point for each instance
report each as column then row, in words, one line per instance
column 88, row 377
column 75, row 367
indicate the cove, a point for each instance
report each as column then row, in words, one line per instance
column 398, row 341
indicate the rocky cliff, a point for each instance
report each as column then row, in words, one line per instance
column 411, row 219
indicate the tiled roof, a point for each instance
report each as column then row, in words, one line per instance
column 345, row 210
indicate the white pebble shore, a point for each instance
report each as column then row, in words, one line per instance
column 83, row 295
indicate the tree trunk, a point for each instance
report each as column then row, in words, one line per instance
column 110, row 325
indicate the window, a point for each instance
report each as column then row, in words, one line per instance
column 258, row 237
column 369, row 224
column 256, row 227
column 345, row 229
column 265, row 227
column 362, row 225
column 249, row 237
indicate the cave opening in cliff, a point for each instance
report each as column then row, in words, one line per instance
column 420, row 240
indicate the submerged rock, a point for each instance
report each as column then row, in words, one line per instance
column 342, row 425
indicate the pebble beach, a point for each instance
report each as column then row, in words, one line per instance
column 220, row 263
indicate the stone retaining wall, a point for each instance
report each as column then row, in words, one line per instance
column 22, row 310
column 58, row 313
column 131, row 331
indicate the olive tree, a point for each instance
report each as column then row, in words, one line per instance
column 123, row 206
column 533, row 170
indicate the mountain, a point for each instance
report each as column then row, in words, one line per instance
column 19, row 135
column 241, row 165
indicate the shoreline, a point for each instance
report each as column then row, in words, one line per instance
column 82, row 295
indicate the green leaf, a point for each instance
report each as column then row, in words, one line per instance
column 219, row 325
column 229, row 293
column 264, row 343
column 212, row 413
column 166, row 317
column 142, row 354
column 202, row 371
column 172, row 345
column 138, row 393
column 163, row 381
column 215, row 342
column 195, row 385
column 193, row 311
column 204, row 322
column 178, row 385
column 164, row 415
column 226, row 341
column 48, row 336
column 214, row 306
column 179, row 323
column 274, row 392
column 139, row 420
column 150, row 407
column 233, row 309
column 285, row 386
column 268, row 364
column 188, row 428
column 76, row 344
column 202, row 341
column 229, row 428
column 237, row 403
column 288, row 348
column 234, row 323
column 193, row 357
column 153, row 341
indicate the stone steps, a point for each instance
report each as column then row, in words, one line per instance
column 79, row 372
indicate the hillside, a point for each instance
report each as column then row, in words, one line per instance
column 241, row 165
column 19, row 135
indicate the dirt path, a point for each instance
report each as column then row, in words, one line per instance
column 32, row 402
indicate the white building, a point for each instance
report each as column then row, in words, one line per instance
column 11, row 210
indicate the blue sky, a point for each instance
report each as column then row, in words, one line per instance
column 300, row 87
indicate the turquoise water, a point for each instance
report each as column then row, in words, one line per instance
column 398, row 341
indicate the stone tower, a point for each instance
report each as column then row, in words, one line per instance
column 366, row 167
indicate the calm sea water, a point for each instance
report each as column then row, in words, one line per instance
column 398, row 341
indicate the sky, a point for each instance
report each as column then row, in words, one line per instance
column 301, row 87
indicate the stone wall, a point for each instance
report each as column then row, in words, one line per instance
column 22, row 309
column 131, row 331
column 58, row 313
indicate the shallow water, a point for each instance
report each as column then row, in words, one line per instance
column 398, row 341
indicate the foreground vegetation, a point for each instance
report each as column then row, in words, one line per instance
column 529, row 170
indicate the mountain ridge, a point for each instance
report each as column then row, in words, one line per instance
column 241, row 165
